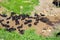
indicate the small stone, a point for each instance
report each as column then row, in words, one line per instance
column 29, row 25
column 8, row 18
column 47, row 21
column 7, row 22
column 15, row 17
column 44, row 29
column 49, row 30
column 42, row 14
column 12, row 13
column 21, row 31
column 44, row 20
column 27, row 21
column 1, row 20
column 16, row 22
column 11, row 29
column 30, row 17
column 35, row 23
column 3, row 15
column 37, row 19
column 20, row 26
column 23, row 16
column 5, row 25
column 36, row 14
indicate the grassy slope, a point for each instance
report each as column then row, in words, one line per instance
column 15, row 5
column 29, row 35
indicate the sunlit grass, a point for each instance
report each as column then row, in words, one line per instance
column 28, row 35
column 20, row 6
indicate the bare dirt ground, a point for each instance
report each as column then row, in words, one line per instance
column 45, row 7
column 51, row 12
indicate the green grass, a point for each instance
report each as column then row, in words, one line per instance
column 29, row 35
column 15, row 5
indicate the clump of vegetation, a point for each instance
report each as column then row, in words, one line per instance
column 20, row 6
column 28, row 35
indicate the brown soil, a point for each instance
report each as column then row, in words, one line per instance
column 45, row 7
